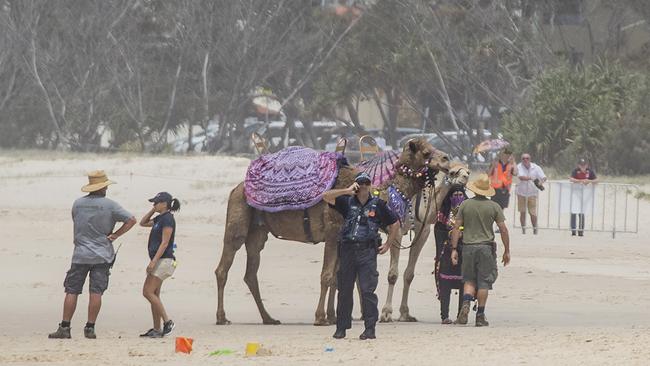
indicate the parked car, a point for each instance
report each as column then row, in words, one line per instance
column 199, row 139
column 456, row 144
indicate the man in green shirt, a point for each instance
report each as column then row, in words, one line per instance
column 476, row 217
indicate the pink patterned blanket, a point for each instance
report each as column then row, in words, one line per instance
column 381, row 167
column 294, row 178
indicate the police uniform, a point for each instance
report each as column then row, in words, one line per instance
column 357, row 252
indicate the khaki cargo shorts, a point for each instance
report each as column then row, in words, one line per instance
column 527, row 202
column 164, row 268
column 479, row 265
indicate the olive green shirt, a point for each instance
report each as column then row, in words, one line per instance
column 478, row 215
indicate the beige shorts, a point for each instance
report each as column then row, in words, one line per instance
column 530, row 202
column 164, row 268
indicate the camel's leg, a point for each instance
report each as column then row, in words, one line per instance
column 257, row 236
column 237, row 223
column 331, row 302
column 327, row 278
column 387, row 311
column 409, row 273
column 358, row 284
column 221, row 272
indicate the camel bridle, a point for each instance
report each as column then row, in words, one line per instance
column 429, row 176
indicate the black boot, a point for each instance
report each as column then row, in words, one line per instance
column 339, row 334
column 369, row 333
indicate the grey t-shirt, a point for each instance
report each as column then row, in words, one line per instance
column 94, row 218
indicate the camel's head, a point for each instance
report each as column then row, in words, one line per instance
column 458, row 174
column 421, row 160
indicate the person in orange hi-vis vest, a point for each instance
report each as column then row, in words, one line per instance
column 501, row 173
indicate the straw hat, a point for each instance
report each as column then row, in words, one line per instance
column 96, row 180
column 481, row 186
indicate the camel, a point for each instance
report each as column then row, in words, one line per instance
column 250, row 227
column 458, row 174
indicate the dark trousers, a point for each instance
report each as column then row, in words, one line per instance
column 581, row 223
column 445, row 299
column 357, row 260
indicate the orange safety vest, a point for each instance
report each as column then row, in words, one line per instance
column 501, row 178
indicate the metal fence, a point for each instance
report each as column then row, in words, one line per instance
column 604, row 207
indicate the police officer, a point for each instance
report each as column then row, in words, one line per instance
column 359, row 244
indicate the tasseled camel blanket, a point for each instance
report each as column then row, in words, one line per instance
column 294, row 178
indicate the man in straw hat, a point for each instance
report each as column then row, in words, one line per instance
column 476, row 217
column 94, row 218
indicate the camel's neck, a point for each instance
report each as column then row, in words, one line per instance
column 441, row 192
column 408, row 186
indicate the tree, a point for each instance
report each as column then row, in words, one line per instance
column 572, row 113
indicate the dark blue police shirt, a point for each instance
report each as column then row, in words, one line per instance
column 381, row 215
column 155, row 237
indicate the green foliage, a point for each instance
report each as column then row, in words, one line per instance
column 628, row 147
column 573, row 113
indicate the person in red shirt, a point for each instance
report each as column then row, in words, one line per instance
column 583, row 174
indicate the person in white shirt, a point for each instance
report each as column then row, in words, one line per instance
column 531, row 179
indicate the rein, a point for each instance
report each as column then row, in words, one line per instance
column 430, row 184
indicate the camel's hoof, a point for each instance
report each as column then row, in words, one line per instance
column 271, row 322
column 223, row 321
column 331, row 321
column 386, row 318
column 407, row 318
column 321, row 322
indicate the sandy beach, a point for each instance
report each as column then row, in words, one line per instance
column 563, row 300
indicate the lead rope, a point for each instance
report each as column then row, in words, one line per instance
column 426, row 216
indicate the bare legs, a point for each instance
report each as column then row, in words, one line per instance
column 522, row 220
column 481, row 296
column 70, row 305
column 94, row 305
column 151, row 291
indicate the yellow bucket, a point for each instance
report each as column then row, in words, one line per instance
column 252, row 348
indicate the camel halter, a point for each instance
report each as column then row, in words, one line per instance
column 429, row 184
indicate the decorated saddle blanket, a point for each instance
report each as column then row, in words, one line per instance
column 381, row 167
column 293, row 178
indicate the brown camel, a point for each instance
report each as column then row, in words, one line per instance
column 458, row 174
column 424, row 210
column 250, row 227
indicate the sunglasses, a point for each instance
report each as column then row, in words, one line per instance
column 525, row 158
column 364, row 183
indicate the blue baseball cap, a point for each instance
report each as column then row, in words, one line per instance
column 161, row 197
column 363, row 178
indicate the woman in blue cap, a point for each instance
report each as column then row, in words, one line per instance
column 163, row 262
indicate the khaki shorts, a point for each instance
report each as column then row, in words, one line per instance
column 531, row 202
column 480, row 265
column 164, row 268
